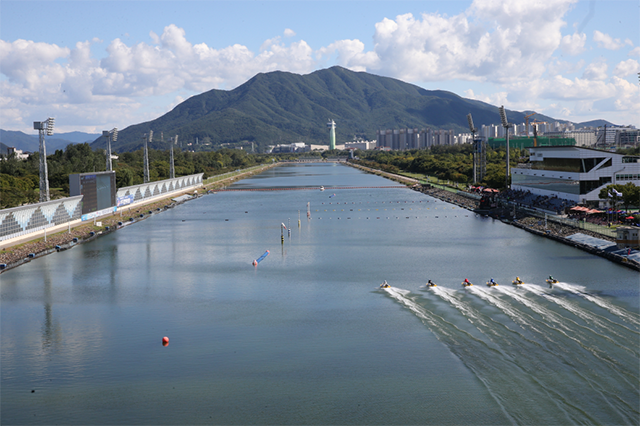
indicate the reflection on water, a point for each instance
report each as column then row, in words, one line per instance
column 306, row 337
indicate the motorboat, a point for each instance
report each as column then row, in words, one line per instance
column 551, row 281
column 491, row 283
column 322, row 188
column 431, row 284
column 384, row 285
column 466, row 283
column 517, row 281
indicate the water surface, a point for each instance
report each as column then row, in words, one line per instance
column 307, row 337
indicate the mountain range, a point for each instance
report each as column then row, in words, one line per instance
column 31, row 143
column 282, row 107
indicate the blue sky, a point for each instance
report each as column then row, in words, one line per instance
column 95, row 65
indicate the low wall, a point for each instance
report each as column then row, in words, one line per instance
column 147, row 191
column 23, row 220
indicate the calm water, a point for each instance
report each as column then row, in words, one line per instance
column 307, row 337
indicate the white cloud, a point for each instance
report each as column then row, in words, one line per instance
column 608, row 42
column 596, row 71
column 573, row 44
column 510, row 46
column 494, row 41
column 625, row 68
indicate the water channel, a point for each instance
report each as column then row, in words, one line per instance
column 307, row 336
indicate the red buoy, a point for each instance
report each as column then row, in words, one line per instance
column 165, row 341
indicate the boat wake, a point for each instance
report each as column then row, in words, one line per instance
column 545, row 360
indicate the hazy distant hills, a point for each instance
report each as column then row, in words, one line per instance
column 30, row 143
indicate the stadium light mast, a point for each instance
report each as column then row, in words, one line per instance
column 332, row 134
column 44, row 127
column 506, row 125
column 172, row 171
column 145, row 160
column 473, row 131
column 479, row 153
column 111, row 135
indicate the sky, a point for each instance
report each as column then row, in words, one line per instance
column 96, row 65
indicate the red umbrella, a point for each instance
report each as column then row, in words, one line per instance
column 629, row 217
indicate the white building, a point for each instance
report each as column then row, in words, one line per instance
column 574, row 173
column 362, row 145
column 19, row 155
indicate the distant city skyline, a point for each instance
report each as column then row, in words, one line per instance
column 95, row 65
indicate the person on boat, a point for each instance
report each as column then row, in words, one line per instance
column 430, row 283
column 384, row 284
column 466, row 282
column 518, row 280
column 552, row 279
column 492, row 282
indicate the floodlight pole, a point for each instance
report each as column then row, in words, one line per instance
column 475, row 154
column 145, row 159
column 506, row 125
column 110, row 134
column 42, row 127
column 172, row 171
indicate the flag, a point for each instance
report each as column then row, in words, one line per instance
column 619, row 194
column 610, row 194
column 284, row 226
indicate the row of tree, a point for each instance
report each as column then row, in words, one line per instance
column 626, row 195
column 453, row 163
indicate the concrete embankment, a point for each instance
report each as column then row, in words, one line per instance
column 555, row 231
column 23, row 250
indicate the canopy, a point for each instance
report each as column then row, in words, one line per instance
column 629, row 217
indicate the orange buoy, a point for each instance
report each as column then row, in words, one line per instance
column 165, row 341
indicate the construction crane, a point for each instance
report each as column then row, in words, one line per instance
column 526, row 120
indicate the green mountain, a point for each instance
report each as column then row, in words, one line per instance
column 281, row 107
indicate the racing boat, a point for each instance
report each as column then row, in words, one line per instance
column 466, row 283
column 551, row 281
column 517, row 281
column 491, row 283
column 384, row 284
column 431, row 284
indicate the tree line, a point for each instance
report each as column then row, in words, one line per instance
column 19, row 179
column 453, row 163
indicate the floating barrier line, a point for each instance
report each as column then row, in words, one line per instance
column 309, row 189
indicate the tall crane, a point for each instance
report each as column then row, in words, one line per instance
column 526, row 120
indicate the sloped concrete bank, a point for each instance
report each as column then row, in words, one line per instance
column 557, row 232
